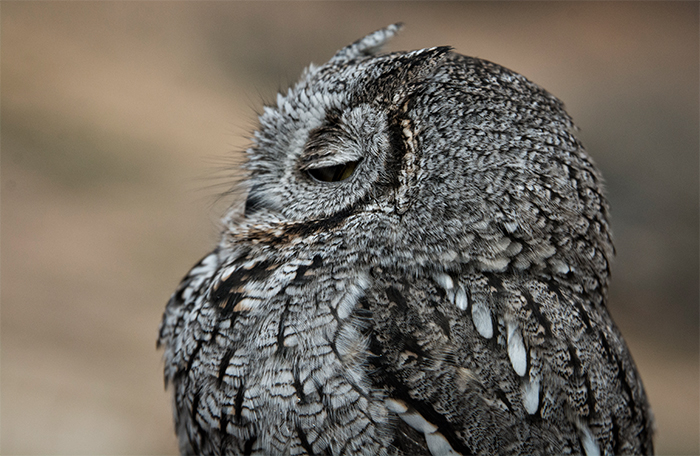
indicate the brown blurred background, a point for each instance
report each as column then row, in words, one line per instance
column 122, row 121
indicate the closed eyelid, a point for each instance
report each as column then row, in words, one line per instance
column 334, row 173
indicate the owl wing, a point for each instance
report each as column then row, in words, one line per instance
column 474, row 363
column 192, row 353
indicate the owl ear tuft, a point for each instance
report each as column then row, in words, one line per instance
column 367, row 46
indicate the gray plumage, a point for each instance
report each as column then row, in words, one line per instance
column 421, row 267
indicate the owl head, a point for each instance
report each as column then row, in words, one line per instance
column 429, row 159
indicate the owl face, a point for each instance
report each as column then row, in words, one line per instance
column 334, row 159
column 335, row 142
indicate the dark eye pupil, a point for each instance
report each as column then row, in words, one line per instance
column 334, row 173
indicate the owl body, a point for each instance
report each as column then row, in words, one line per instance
column 420, row 267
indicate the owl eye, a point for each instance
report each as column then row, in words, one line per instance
column 334, row 173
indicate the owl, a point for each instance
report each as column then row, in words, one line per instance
column 421, row 266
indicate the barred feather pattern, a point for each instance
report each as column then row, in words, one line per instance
column 421, row 267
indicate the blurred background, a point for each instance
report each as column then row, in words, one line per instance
column 122, row 123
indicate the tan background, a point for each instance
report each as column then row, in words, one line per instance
column 122, row 122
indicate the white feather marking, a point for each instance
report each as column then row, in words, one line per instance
column 590, row 446
column 417, row 422
column 250, row 264
column 444, row 281
column 498, row 264
column 268, row 111
column 304, row 99
column 560, row 267
column 438, row 445
column 224, row 324
column 288, row 108
column 309, row 387
column 511, row 226
column 531, row 395
column 206, row 265
column 396, row 406
column 481, row 316
column 246, row 304
column 500, row 246
column 280, row 100
column 516, row 348
column 291, row 341
column 461, row 298
column 347, row 303
column 289, row 268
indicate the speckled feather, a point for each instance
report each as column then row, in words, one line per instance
column 421, row 267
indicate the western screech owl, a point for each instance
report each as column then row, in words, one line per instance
column 421, row 267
